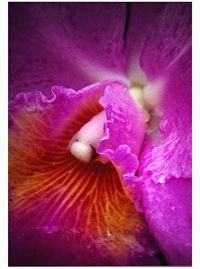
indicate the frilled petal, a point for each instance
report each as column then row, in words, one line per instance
column 167, row 149
column 168, row 210
column 124, row 132
column 166, row 157
column 70, row 44
column 142, row 17
column 64, row 211
column 124, row 123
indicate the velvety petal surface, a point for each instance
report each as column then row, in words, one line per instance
column 124, row 132
column 168, row 210
column 166, row 158
column 125, row 123
column 167, row 149
column 169, row 38
column 63, row 211
column 69, row 44
column 142, row 17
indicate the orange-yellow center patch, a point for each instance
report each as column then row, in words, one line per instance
column 51, row 188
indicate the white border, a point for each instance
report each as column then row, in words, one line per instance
column 4, row 132
column 196, row 133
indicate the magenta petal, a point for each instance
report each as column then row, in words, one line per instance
column 66, row 212
column 125, row 123
column 166, row 156
column 125, row 160
column 69, row 44
column 167, row 152
column 168, row 211
column 124, row 131
column 169, row 39
column 142, row 17
column 167, row 58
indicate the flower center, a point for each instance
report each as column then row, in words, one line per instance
column 84, row 142
column 137, row 93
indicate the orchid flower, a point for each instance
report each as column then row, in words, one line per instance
column 100, row 134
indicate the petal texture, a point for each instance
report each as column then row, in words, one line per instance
column 166, row 156
column 168, row 209
column 168, row 40
column 167, row 149
column 167, row 152
column 124, row 120
column 59, row 44
column 63, row 211
column 124, row 132
column 142, row 18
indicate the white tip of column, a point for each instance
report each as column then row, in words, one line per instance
column 81, row 151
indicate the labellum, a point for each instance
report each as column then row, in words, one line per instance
column 68, row 176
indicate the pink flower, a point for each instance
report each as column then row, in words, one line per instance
column 100, row 175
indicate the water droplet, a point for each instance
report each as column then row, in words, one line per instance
column 109, row 233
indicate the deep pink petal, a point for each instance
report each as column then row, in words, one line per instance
column 167, row 59
column 167, row 152
column 70, row 44
column 142, row 17
column 125, row 123
column 63, row 211
column 124, row 132
column 168, row 210
column 168, row 40
column 166, row 156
